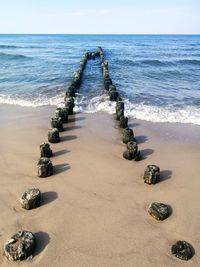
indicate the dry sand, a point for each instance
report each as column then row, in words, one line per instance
column 94, row 210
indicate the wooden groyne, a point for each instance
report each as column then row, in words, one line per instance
column 22, row 245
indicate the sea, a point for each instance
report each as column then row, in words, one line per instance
column 158, row 76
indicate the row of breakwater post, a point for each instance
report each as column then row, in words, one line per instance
column 181, row 249
column 22, row 245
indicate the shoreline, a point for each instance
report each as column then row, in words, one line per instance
column 164, row 125
column 94, row 210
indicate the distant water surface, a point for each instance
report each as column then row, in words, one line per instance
column 157, row 75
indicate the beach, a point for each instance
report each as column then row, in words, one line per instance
column 94, row 207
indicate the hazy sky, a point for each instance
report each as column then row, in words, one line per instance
column 102, row 16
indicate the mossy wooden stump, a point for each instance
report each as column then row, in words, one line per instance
column 113, row 94
column 151, row 174
column 45, row 167
column 119, row 110
column 159, row 211
column 132, row 151
column 182, row 250
column 128, row 135
column 20, row 246
column 45, row 150
column 31, row 199
column 69, row 104
column 119, row 105
column 62, row 113
column 53, row 135
column 57, row 123
column 123, row 122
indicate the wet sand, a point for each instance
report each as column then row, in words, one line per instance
column 94, row 208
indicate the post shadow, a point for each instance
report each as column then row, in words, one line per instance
column 42, row 239
column 61, row 152
column 70, row 128
column 68, row 138
column 193, row 250
column 141, row 139
column 165, row 175
column 59, row 168
column 48, row 197
column 132, row 125
column 170, row 209
column 76, row 119
column 146, row 152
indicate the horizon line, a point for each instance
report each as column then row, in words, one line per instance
column 99, row 33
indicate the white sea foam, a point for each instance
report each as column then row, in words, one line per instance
column 100, row 103
column 56, row 100
column 189, row 114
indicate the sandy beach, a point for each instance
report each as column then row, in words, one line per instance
column 94, row 208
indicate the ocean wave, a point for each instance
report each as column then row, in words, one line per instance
column 189, row 61
column 154, row 62
column 189, row 114
column 157, row 63
column 23, row 47
column 143, row 45
column 194, row 44
column 8, row 46
column 121, row 62
column 13, row 56
column 140, row 63
column 100, row 103
column 33, row 46
column 37, row 102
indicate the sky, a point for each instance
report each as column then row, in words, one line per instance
column 100, row 17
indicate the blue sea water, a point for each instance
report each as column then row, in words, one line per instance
column 157, row 75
